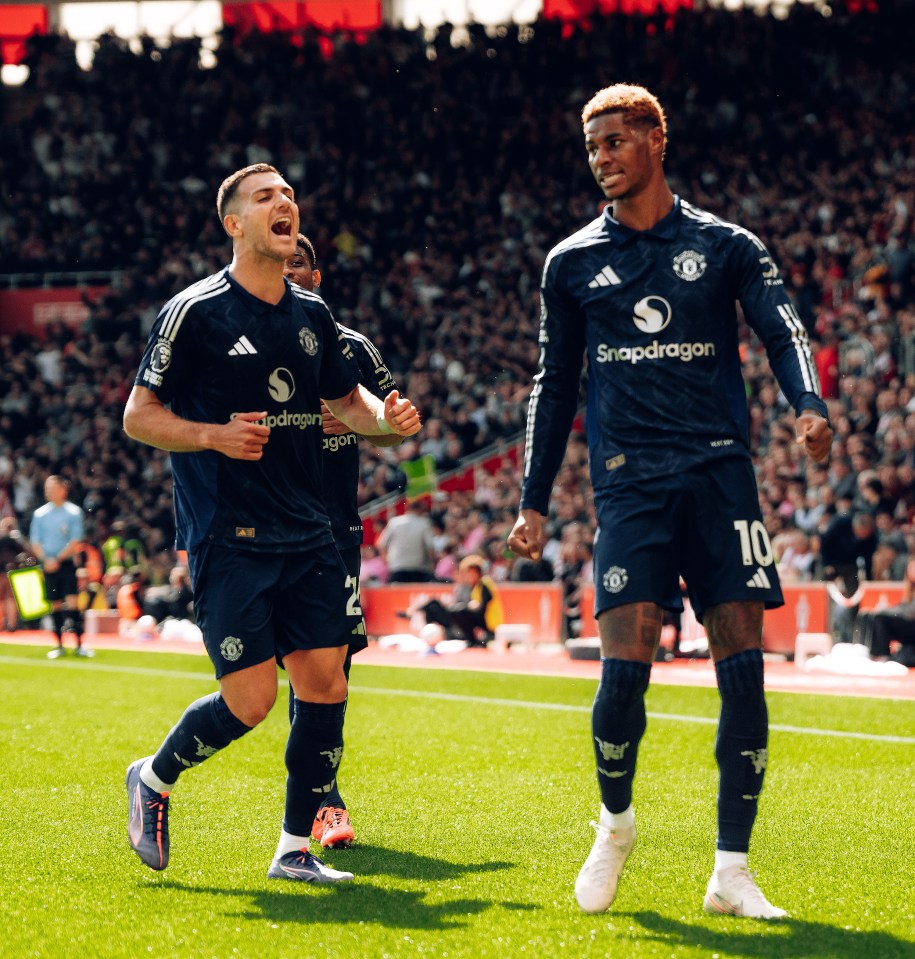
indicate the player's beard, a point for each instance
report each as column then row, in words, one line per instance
column 269, row 252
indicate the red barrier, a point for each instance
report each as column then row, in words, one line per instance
column 537, row 604
column 806, row 610
column 29, row 311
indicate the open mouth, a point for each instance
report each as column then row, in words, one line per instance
column 283, row 226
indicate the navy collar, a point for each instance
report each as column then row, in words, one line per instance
column 256, row 305
column 664, row 229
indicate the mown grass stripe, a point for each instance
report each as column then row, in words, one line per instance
column 462, row 698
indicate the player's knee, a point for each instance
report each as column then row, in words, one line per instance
column 330, row 689
column 251, row 706
column 733, row 628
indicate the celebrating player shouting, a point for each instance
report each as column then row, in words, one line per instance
column 242, row 359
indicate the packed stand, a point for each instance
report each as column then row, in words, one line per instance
column 433, row 180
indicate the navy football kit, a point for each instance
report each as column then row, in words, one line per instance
column 216, row 351
column 667, row 420
column 341, row 453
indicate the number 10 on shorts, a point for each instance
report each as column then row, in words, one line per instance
column 754, row 542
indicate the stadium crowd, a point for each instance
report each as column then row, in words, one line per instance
column 433, row 178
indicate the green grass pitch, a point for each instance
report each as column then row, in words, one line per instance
column 471, row 796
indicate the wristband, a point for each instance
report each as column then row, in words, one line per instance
column 383, row 424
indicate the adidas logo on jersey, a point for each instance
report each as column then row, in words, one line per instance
column 606, row 277
column 759, row 580
column 242, row 347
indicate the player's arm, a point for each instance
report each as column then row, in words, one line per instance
column 772, row 315
column 334, row 427
column 375, row 377
column 367, row 415
column 148, row 419
column 551, row 411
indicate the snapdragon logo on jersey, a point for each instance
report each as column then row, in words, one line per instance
column 334, row 443
column 651, row 315
column 281, row 387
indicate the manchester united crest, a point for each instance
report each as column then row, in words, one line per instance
column 689, row 265
column 231, row 648
column 308, row 340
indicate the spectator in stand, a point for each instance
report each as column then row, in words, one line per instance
column 407, row 546
column 374, row 568
column 848, row 544
column 893, row 629
column 89, row 593
column 124, row 547
column 475, row 609
column 112, row 580
column 172, row 601
column 130, row 599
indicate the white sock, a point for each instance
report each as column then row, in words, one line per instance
column 152, row 780
column 725, row 858
column 290, row 843
column 617, row 820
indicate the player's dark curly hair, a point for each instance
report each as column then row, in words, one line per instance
column 637, row 105
column 302, row 242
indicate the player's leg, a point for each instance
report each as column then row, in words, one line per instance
column 316, row 616
column 731, row 577
column 332, row 826
column 55, row 597
column 208, row 725
column 629, row 637
column 635, row 575
column 233, row 612
column 313, row 753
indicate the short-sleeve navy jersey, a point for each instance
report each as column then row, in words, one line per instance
column 341, row 453
column 656, row 313
column 216, row 351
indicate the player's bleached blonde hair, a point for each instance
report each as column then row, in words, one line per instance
column 637, row 105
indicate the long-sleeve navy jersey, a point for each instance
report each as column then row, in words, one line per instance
column 656, row 312
column 216, row 351
column 341, row 453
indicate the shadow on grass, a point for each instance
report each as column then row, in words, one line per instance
column 796, row 938
column 365, row 860
column 362, row 901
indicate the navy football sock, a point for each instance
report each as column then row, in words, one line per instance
column 207, row 726
column 313, row 753
column 740, row 747
column 617, row 725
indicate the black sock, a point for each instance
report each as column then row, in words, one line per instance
column 207, row 726
column 313, row 753
column 617, row 725
column 740, row 746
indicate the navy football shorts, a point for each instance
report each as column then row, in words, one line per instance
column 703, row 524
column 254, row 606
